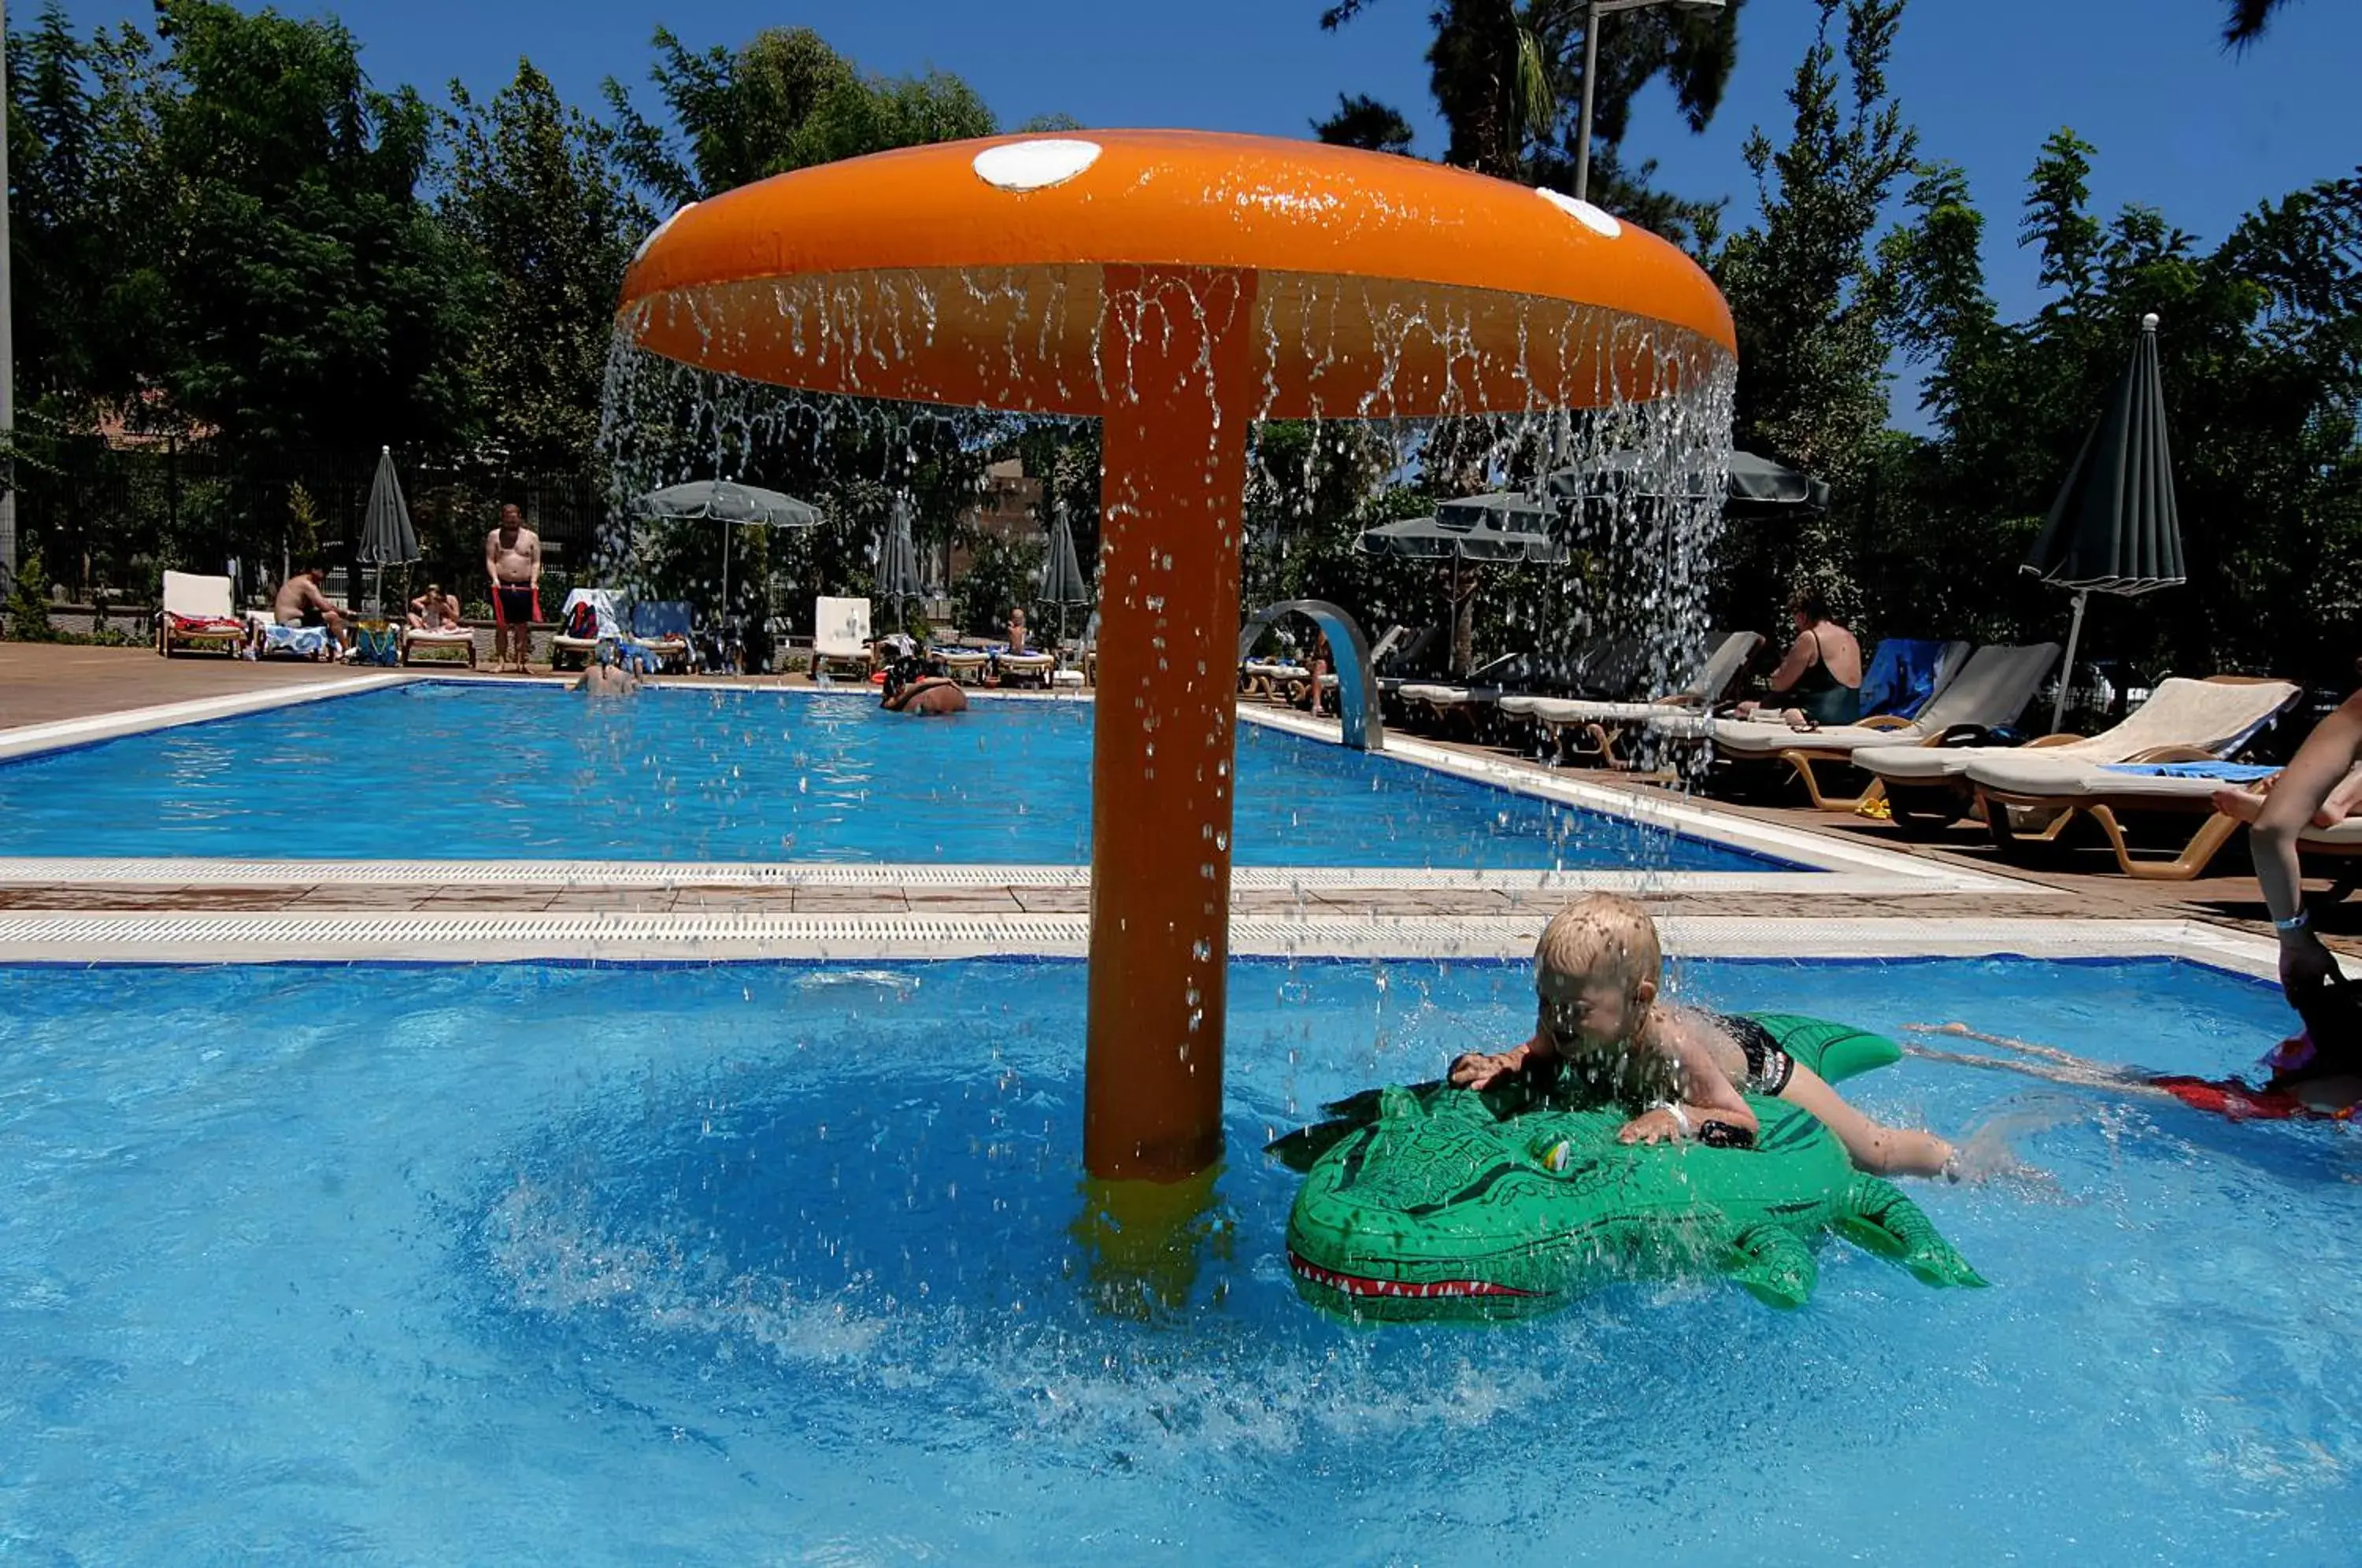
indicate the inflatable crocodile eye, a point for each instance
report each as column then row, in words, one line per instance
column 1555, row 1155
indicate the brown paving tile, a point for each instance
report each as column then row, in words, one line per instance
column 851, row 901
column 1056, row 901
column 965, row 900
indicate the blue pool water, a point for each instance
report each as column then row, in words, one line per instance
column 449, row 770
column 599, row 1265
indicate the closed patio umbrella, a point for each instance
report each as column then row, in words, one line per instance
column 1063, row 582
column 897, row 558
column 2113, row 528
column 387, row 538
column 731, row 504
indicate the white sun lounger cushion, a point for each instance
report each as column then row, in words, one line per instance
column 2210, row 715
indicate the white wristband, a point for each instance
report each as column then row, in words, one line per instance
column 2297, row 922
column 1681, row 1118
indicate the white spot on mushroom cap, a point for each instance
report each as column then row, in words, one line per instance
column 658, row 233
column 1590, row 217
column 1030, row 165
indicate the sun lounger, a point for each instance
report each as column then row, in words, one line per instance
column 450, row 644
column 1928, row 785
column 841, row 637
column 2028, row 799
column 1598, row 726
column 197, row 613
column 570, row 647
column 664, row 631
column 1024, row 668
column 297, row 642
column 1272, row 679
column 1985, row 691
column 966, row 666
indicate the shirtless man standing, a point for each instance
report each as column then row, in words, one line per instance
column 301, row 603
column 512, row 561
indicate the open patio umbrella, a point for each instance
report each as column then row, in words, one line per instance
column 1752, row 486
column 387, row 537
column 2113, row 528
column 1501, row 529
column 734, row 506
column 1063, row 582
column 897, row 558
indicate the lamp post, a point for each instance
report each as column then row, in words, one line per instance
column 8, row 345
column 1592, row 13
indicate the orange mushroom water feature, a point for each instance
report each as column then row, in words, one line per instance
column 1178, row 286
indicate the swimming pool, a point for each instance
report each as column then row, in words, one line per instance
column 580, row 1265
column 472, row 771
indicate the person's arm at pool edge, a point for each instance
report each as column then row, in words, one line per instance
column 2316, row 769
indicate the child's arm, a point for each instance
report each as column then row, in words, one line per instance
column 1707, row 1095
column 1477, row 1070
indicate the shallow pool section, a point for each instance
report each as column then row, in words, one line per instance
column 453, row 770
column 733, row 1264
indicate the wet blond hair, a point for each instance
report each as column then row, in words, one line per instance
column 1602, row 933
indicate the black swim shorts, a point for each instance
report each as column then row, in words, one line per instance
column 514, row 606
column 1768, row 1067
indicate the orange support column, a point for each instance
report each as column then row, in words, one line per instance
column 1174, row 355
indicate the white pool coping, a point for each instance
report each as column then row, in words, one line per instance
column 26, row 740
column 207, row 938
column 1832, row 865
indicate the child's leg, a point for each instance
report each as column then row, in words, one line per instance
column 1882, row 1151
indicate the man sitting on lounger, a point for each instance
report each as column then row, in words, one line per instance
column 435, row 611
column 915, row 686
column 301, row 603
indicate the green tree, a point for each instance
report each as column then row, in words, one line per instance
column 2261, row 356
column 86, row 186
column 782, row 101
column 312, row 295
column 1811, row 294
column 1507, row 75
column 1362, row 121
column 536, row 195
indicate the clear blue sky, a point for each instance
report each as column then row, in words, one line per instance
column 2178, row 124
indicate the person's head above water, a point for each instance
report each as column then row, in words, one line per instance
column 1595, row 972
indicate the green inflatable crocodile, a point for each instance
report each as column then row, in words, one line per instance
column 1431, row 1202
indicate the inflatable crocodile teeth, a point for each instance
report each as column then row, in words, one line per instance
column 1431, row 1202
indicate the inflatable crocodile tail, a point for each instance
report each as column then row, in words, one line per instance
column 1876, row 1217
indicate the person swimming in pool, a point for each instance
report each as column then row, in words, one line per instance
column 1597, row 971
column 915, row 686
column 2317, row 1076
column 607, row 675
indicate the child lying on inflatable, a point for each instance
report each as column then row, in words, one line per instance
column 1596, row 972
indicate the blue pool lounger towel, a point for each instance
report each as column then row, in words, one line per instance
column 1901, row 677
column 2222, row 772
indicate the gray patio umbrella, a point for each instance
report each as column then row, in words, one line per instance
column 2113, row 528
column 1063, row 582
column 734, row 506
column 1500, row 529
column 897, row 558
column 1752, row 486
column 387, row 537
